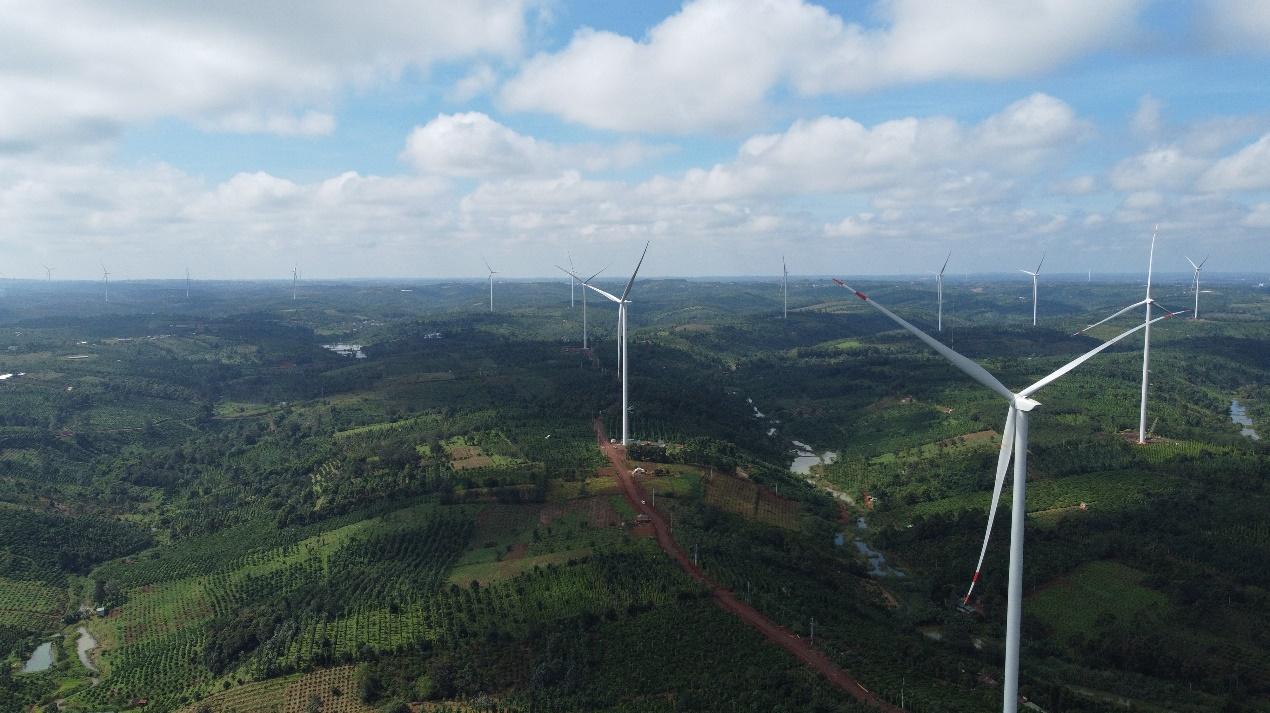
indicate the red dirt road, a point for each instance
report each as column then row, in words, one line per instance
column 774, row 632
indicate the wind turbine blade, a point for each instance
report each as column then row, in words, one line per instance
column 945, row 267
column 1151, row 261
column 1108, row 319
column 590, row 286
column 1027, row 272
column 597, row 272
column 487, row 267
column 1087, row 356
column 1201, row 262
column 627, row 291
column 1003, row 467
column 971, row 369
column 1192, row 262
column 1038, row 265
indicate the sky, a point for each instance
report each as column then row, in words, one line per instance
column 419, row 138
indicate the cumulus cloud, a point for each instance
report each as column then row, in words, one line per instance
column 715, row 62
column 79, row 71
column 933, row 156
column 472, row 145
column 1246, row 170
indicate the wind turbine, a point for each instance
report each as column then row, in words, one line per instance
column 295, row 281
column 492, row 273
column 785, row 288
column 105, row 277
column 1200, row 266
column 48, row 273
column 1013, row 442
column 1146, row 339
column 621, row 322
column 939, row 288
column 187, row 283
column 1034, row 276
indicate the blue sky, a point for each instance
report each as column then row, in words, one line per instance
column 409, row 140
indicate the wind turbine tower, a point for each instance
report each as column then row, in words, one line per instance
column 48, row 273
column 295, row 281
column 1034, row 276
column 939, row 289
column 105, row 278
column 785, row 288
column 1014, row 442
column 1200, row 266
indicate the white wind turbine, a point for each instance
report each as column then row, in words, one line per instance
column 105, row 278
column 48, row 273
column 785, row 288
column 1146, row 340
column 187, row 283
column 492, row 273
column 1200, row 266
column 621, row 324
column 1013, row 442
column 1034, row 276
column 295, row 281
column 939, row 289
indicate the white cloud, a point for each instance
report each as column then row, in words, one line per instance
column 476, row 82
column 79, row 71
column 310, row 123
column 922, row 158
column 473, row 145
column 1147, row 121
column 1166, row 168
column 1248, row 169
column 713, row 64
column 1238, row 24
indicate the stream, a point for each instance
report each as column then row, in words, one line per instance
column 84, row 647
column 1239, row 416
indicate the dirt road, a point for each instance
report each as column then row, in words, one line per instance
column 775, row 633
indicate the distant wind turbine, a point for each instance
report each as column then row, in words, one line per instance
column 105, row 278
column 295, row 281
column 785, row 288
column 622, row 302
column 1200, row 266
column 939, row 289
column 584, row 293
column 1146, row 340
column 1014, row 441
column 48, row 273
column 492, row 273
column 187, row 283
column 1034, row 276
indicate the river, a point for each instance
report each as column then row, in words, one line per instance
column 1239, row 416
column 41, row 659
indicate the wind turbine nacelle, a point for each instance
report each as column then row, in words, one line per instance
column 1023, row 403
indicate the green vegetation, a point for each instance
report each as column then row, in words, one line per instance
column 273, row 526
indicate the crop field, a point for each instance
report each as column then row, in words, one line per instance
column 24, row 601
column 1080, row 602
column 745, row 498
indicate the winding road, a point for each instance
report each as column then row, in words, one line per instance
column 774, row 632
